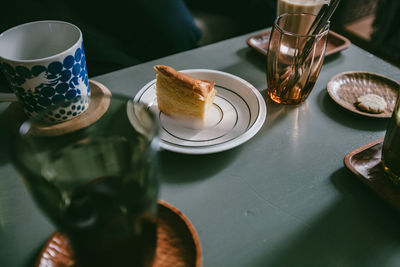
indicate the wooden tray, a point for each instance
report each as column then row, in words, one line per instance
column 177, row 243
column 365, row 163
column 336, row 43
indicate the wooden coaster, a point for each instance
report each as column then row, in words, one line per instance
column 177, row 243
column 99, row 102
column 345, row 88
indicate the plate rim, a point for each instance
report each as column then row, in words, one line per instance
column 240, row 139
column 356, row 111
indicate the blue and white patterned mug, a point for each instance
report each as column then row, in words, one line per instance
column 44, row 62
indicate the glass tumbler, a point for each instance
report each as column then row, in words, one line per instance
column 391, row 146
column 98, row 185
column 294, row 58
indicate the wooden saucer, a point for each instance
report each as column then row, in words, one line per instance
column 177, row 243
column 345, row 88
column 98, row 105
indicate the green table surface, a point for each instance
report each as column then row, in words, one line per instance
column 284, row 198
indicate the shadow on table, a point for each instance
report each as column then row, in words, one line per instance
column 5, row 142
column 347, row 118
column 258, row 60
column 330, row 58
column 35, row 255
column 31, row 259
column 182, row 168
column 359, row 229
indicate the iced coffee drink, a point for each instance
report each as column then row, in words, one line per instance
column 300, row 6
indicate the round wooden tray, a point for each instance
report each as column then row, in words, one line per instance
column 177, row 243
column 344, row 88
column 98, row 105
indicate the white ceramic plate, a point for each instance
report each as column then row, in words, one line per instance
column 237, row 115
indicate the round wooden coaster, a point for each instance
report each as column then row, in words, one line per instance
column 98, row 105
column 346, row 87
column 177, row 243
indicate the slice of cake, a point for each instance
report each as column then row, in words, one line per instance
column 181, row 96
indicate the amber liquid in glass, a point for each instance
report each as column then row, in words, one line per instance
column 278, row 89
column 294, row 61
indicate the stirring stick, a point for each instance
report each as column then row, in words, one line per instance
column 326, row 16
column 320, row 21
column 318, row 18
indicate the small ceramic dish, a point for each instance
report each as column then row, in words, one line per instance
column 237, row 114
column 344, row 88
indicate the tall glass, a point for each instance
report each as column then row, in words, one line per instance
column 98, row 185
column 294, row 58
column 391, row 146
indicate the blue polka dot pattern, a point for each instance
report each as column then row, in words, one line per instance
column 37, row 70
column 24, row 72
column 70, row 94
column 48, row 91
column 65, row 75
column 66, row 79
column 8, row 69
column 78, row 55
column 69, row 62
column 58, row 98
column 55, row 67
column 62, row 88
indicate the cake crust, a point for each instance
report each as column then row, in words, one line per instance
column 201, row 87
column 182, row 96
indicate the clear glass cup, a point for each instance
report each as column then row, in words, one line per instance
column 294, row 58
column 391, row 146
column 98, row 185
